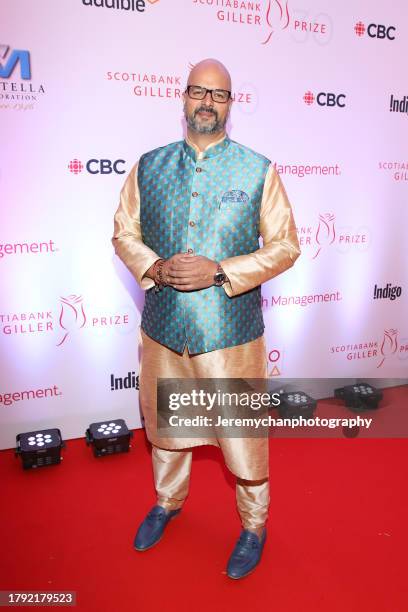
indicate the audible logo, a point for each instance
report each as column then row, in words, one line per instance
column 123, row 5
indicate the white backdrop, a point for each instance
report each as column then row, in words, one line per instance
column 320, row 88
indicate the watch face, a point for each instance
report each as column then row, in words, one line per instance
column 219, row 277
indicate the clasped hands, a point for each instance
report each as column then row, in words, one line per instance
column 186, row 272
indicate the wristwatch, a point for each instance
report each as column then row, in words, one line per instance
column 219, row 277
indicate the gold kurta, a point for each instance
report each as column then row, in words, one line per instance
column 245, row 457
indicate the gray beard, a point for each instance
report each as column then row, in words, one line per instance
column 216, row 127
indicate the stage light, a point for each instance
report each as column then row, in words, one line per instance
column 360, row 396
column 295, row 404
column 108, row 438
column 39, row 448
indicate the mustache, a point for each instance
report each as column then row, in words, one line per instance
column 206, row 109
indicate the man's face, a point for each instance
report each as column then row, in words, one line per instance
column 206, row 116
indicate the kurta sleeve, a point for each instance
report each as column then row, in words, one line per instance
column 127, row 236
column 280, row 243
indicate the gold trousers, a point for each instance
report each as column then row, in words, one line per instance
column 246, row 458
column 171, row 470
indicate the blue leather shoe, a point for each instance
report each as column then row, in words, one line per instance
column 153, row 526
column 246, row 554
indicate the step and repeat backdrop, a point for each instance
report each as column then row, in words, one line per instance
column 86, row 86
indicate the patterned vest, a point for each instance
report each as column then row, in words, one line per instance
column 210, row 205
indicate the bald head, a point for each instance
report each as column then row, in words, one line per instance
column 204, row 113
column 210, row 70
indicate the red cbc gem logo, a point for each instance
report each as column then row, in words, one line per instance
column 308, row 98
column 359, row 28
column 75, row 166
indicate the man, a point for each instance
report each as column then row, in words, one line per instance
column 188, row 227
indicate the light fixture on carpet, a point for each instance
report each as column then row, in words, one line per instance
column 360, row 396
column 39, row 448
column 108, row 437
column 294, row 404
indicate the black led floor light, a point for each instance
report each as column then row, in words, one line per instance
column 359, row 397
column 39, row 448
column 295, row 404
column 108, row 437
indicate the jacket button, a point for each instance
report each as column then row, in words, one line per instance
column 191, row 223
column 198, row 169
column 194, row 194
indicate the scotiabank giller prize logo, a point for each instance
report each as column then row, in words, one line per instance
column 398, row 170
column 165, row 87
column 17, row 90
column 72, row 315
column 389, row 345
column 381, row 351
column 324, row 235
column 149, row 84
column 65, row 322
column 269, row 19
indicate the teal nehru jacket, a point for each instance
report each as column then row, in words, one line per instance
column 208, row 204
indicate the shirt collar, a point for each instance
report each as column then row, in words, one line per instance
column 211, row 150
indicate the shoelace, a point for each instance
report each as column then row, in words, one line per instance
column 153, row 517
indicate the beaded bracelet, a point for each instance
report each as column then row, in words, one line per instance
column 158, row 275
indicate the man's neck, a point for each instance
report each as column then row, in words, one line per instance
column 202, row 141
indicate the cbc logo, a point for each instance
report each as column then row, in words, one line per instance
column 375, row 30
column 97, row 166
column 325, row 99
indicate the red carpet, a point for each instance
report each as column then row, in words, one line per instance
column 337, row 533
